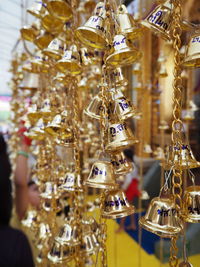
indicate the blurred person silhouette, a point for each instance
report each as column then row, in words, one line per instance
column 15, row 250
column 130, row 186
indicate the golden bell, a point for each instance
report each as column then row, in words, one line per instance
column 86, row 57
column 32, row 135
column 116, row 205
column 55, row 49
column 102, row 176
column 95, row 107
column 127, row 24
column 82, row 84
column 163, row 71
column 121, row 106
column 60, row 9
column 68, row 235
column 159, row 20
column 31, row 219
column 138, row 86
column 70, row 62
column 49, row 205
column 118, row 78
column 119, row 137
column 93, row 33
column 59, row 254
column 29, row 33
column 46, row 109
column 39, row 128
column 122, row 52
column 180, row 157
column 43, row 39
column 66, row 142
column 189, row 115
column 39, row 63
column 30, row 81
column 42, row 234
column 72, row 182
column 37, row 9
column 191, row 204
column 32, row 113
column 59, row 125
column 192, row 58
column 51, row 24
column 120, row 163
column 137, row 68
column 162, row 218
column 147, row 149
column 50, row 191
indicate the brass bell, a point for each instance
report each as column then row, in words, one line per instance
column 137, row 68
column 180, row 157
column 51, row 205
column 42, row 234
column 82, row 84
column 120, row 163
column 31, row 219
column 30, row 81
column 189, row 115
column 70, row 62
column 37, row 9
column 163, row 71
column 72, row 182
column 116, row 205
column 39, row 63
column 95, row 107
column 46, row 109
column 32, row 113
column 147, row 149
column 121, row 106
column 127, row 24
column 32, row 135
column 93, row 33
column 29, row 33
column 192, row 58
column 191, row 204
column 51, row 24
column 162, row 218
column 38, row 129
column 102, row 176
column 55, row 49
column 138, row 86
column 66, row 142
column 59, row 254
column 163, row 125
column 119, row 137
column 122, row 52
column 59, row 125
column 50, row 191
column 68, row 235
column 43, row 39
column 60, row 9
column 159, row 20
column 86, row 57
column 117, row 78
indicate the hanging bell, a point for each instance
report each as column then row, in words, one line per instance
column 86, row 57
column 50, row 191
column 51, row 24
column 59, row 254
column 29, row 33
column 191, row 204
column 147, row 149
column 127, row 24
column 116, row 205
column 55, row 49
column 82, row 84
column 120, row 163
column 189, row 115
column 160, row 19
column 121, row 106
column 68, row 235
column 59, row 125
column 51, row 205
column 60, row 9
column 163, row 71
column 95, row 107
column 181, row 158
column 102, row 176
column 162, row 218
column 43, row 39
column 31, row 219
column 37, row 9
column 70, row 62
column 163, row 125
column 192, row 58
column 33, row 114
column 38, row 129
column 117, row 78
column 119, row 137
column 30, row 81
column 39, row 63
column 72, row 182
column 138, row 86
column 46, row 110
column 43, row 234
column 93, row 33
column 66, row 142
column 122, row 52
column 137, row 68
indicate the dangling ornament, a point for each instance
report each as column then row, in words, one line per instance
column 120, row 163
column 192, row 58
column 60, row 9
column 55, row 49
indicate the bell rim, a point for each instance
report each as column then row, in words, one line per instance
column 89, row 43
column 92, row 115
column 70, row 243
column 101, row 186
column 123, row 172
column 52, row 53
column 127, row 115
column 131, row 50
column 52, row 259
column 66, row 67
column 184, row 167
column 122, row 145
column 190, row 219
column 70, row 188
column 149, row 227
column 130, row 210
column 63, row 17
column 148, row 25
column 192, row 61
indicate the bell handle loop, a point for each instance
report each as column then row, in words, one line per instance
column 122, row 8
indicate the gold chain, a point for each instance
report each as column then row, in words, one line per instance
column 177, row 123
